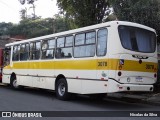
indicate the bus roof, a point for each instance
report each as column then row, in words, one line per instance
column 106, row 24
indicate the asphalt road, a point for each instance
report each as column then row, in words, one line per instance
column 30, row 99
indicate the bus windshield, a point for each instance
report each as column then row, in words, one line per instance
column 137, row 39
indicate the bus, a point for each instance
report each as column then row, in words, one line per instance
column 110, row 57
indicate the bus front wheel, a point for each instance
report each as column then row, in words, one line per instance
column 13, row 82
column 62, row 89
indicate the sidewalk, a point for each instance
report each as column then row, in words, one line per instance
column 154, row 99
column 150, row 98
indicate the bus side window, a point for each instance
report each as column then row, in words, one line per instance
column 102, row 42
column 16, row 50
column 64, row 47
column 24, row 52
column 35, row 50
column 85, row 44
column 48, row 49
column 68, row 47
column 59, row 46
column 32, row 49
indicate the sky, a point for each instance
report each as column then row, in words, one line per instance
column 9, row 9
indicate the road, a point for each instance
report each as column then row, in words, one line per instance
column 42, row 100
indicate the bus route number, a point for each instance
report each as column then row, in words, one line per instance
column 102, row 64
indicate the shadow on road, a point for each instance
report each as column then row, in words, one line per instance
column 112, row 104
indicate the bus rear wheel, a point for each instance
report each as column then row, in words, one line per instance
column 62, row 89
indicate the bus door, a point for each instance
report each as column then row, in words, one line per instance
column 6, row 64
column 7, row 55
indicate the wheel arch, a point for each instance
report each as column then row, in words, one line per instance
column 12, row 75
column 61, row 80
column 59, row 77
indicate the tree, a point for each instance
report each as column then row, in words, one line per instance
column 38, row 27
column 84, row 12
column 23, row 13
column 29, row 2
column 145, row 12
column 4, row 27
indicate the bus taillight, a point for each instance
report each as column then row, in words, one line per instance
column 119, row 73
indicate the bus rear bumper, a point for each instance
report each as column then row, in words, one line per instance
column 129, row 87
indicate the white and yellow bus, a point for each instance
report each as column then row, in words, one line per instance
column 110, row 57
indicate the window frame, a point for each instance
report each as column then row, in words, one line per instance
column 140, row 29
column 70, row 35
column 24, row 52
column 51, row 39
column 17, row 45
column 85, row 44
column 106, row 42
column 35, row 50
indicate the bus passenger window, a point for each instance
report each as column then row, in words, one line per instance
column 85, row 45
column 16, row 50
column 35, row 50
column 32, row 49
column 102, row 42
column 80, row 39
column 60, row 42
column 68, row 47
column 90, row 37
column 64, row 47
column 48, row 49
column 24, row 52
column 69, row 41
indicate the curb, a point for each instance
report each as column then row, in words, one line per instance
column 143, row 99
column 154, row 99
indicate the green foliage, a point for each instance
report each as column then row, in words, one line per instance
column 4, row 28
column 83, row 12
column 60, row 24
column 145, row 12
column 34, row 28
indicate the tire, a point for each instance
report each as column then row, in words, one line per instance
column 13, row 82
column 62, row 89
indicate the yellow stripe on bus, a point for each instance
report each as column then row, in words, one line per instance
column 96, row 64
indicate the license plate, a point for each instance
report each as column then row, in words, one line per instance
column 139, row 79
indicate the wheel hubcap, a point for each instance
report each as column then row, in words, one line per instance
column 61, row 89
column 15, row 84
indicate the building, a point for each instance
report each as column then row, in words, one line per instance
column 5, row 39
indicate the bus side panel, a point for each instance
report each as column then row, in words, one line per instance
column 24, row 80
column 74, row 86
column 94, row 86
column 49, row 83
column 36, row 78
column 6, row 79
